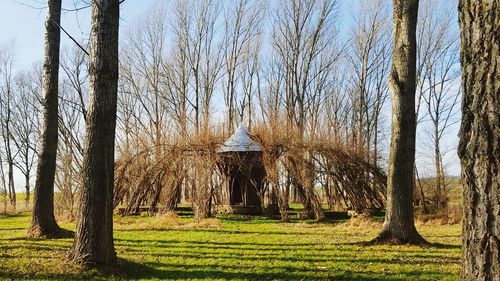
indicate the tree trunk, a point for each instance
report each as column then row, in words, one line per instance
column 441, row 200
column 479, row 148
column 3, row 189
column 12, row 186
column 172, row 197
column 93, row 243
column 27, row 189
column 399, row 224
column 43, row 222
column 422, row 194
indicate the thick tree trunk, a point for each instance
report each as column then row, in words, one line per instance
column 93, row 243
column 43, row 222
column 479, row 147
column 399, row 224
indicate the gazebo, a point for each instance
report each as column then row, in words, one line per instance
column 242, row 166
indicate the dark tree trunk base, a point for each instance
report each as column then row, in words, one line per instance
column 55, row 232
column 88, row 259
column 386, row 237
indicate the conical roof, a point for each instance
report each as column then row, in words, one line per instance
column 240, row 141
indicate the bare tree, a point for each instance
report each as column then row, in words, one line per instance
column 74, row 65
column 339, row 105
column 241, row 30
column 195, row 24
column 43, row 222
column 437, row 59
column 142, row 70
column 71, row 121
column 93, row 243
column 69, row 151
column 6, row 116
column 251, row 81
column 177, row 93
column 370, row 61
column 399, row 224
column 479, row 148
column 25, row 130
column 304, row 55
column 3, row 185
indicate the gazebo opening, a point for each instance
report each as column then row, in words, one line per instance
column 244, row 171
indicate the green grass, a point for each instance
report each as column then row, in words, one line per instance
column 240, row 249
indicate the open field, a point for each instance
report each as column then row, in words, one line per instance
column 237, row 248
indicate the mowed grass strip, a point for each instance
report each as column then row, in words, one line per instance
column 235, row 248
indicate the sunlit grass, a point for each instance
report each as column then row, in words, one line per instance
column 237, row 248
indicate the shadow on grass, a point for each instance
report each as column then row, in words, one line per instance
column 275, row 252
column 203, row 269
column 316, row 259
column 306, row 231
column 277, row 219
column 64, row 234
column 35, row 247
column 153, row 270
column 271, row 246
column 12, row 228
column 21, row 276
column 444, row 246
column 424, row 246
column 17, row 215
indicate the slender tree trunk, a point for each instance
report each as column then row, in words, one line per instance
column 3, row 189
column 422, row 194
column 12, row 186
column 27, row 189
column 479, row 148
column 43, row 221
column 375, row 143
column 93, row 243
column 399, row 224
column 440, row 194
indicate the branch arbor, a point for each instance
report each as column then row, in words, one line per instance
column 246, row 174
column 7, row 152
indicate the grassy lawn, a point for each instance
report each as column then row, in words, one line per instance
column 236, row 248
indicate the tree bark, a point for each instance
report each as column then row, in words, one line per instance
column 27, row 189
column 43, row 222
column 422, row 194
column 93, row 243
column 399, row 224
column 441, row 199
column 479, row 147
column 12, row 186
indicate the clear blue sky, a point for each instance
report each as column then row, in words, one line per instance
column 23, row 22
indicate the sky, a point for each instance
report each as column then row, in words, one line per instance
column 22, row 24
